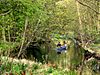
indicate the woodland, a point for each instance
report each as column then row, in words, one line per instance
column 31, row 29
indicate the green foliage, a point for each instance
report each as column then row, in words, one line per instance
column 35, row 66
column 13, row 67
column 19, row 10
column 6, row 46
column 17, row 68
column 50, row 70
column 46, row 17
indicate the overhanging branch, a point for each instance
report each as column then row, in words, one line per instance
column 84, row 4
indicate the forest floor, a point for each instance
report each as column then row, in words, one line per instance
column 25, row 67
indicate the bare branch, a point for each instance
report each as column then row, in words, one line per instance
column 2, row 14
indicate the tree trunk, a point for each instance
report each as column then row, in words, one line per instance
column 3, row 34
column 23, row 38
column 98, row 22
column 81, row 31
column 80, row 22
column 9, row 34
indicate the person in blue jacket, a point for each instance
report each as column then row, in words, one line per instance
column 62, row 48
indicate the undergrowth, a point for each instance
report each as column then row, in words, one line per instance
column 15, row 68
